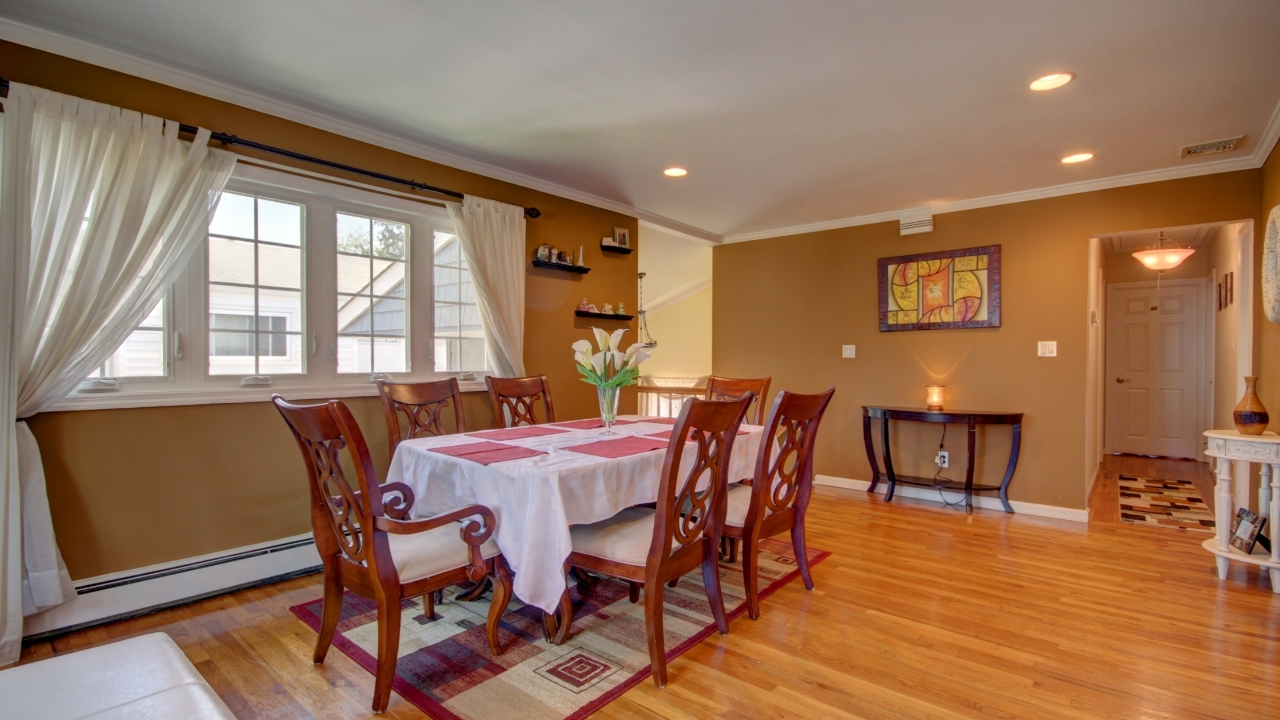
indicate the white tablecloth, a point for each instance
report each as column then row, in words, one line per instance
column 536, row 499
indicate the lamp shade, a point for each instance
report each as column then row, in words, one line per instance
column 1163, row 258
column 934, row 396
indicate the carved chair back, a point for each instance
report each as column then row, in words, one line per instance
column 686, row 512
column 722, row 388
column 515, row 400
column 783, row 477
column 423, row 405
column 343, row 516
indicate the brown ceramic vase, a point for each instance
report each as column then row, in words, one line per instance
column 1250, row 416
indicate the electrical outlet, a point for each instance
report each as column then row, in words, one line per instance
column 943, row 460
column 848, row 351
column 1047, row 348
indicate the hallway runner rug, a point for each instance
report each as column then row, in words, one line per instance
column 446, row 670
column 1164, row 503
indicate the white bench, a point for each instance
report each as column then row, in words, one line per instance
column 142, row 678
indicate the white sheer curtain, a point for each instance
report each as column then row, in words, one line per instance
column 100, row 209
column 492, row 237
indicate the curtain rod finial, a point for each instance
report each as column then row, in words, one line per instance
column 532, row 213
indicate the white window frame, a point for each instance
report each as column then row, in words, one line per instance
column 188, row 381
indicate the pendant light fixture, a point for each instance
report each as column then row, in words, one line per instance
column 642, row 327
column 1161, row 258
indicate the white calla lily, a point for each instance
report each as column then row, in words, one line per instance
column 597, row 363
column 615, row 340
column 582, row 347
column 602, row 339
column 635, row 360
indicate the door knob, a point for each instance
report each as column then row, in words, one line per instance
column 1121, row 380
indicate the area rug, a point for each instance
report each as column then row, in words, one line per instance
column 446, row 670
column 1164, row 503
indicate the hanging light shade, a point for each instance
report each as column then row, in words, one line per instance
column 1161, row 258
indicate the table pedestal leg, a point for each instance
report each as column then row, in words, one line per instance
column 1222, row 514
column 1275, row 517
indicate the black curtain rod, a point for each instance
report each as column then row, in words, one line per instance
column 226, row 139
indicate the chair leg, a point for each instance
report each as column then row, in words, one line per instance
column 653, row 607
column 633, row 592
column 498, row 605
column 751, row 577
column 388, row 650
column 674, row 582
column 566, row 618
column 711, row 580
column 331, row 613
column 802, row 554
column 475, row 592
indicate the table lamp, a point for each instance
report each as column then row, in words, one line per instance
column 934, row 396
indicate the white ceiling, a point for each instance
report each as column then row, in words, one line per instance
column 785, row 113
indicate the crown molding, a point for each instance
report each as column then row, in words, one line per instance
column 146, row 69
column 890, row 216
column 709, row 239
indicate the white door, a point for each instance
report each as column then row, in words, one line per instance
column 1155, row 368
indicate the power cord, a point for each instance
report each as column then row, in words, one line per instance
column 938, row 476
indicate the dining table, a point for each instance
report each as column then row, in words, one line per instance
column 539, row 480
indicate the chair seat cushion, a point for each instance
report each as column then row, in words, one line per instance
column 143, row 677
column 739, row 498
column 432, row 552
column 623, row 538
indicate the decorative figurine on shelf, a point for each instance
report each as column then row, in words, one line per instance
column 621, row 310
column 592, row 308
column 584, row 306
column 608, row 309
column 581, row 257
column 552, row 254
column 544, row 253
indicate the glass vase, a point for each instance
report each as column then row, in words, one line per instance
column 608, row 397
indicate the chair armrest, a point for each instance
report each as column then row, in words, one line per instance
column 399, row 503
column 473, row 533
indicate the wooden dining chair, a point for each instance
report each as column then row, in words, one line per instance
column 423, row 405
column 650, row 547
column 514, row 400
column 368, row 545
column 777, row 499
column 722, row 388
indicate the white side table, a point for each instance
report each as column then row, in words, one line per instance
column 1264, row 449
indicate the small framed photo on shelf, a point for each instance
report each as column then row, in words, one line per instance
column 1244, row 532
column 622, row 237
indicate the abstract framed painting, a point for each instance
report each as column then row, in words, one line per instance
column 941, row 290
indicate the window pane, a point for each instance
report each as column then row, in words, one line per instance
column 446, row 248
column 354, row 354
column 353, row 274
column 279, row 267
column 354, row 314
column 389, row 239
column 224, row 321
column 230, row 261
column 388, row 316
column 234, row 216
column 284, row 305
column 279, row 222
column 447, row 285
column 441, row 355
column 141, row 355
column 446, row 319
column 389, row 355
column 473, row 354
column 231, row 344
column 285, row 357
column 230, row 301
column 154, row 319
column 353, row 234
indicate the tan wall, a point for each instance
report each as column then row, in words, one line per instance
column 131, row 488
column 784, row 306
column 1223, row 256
column 1266, row 344
column 683, row 331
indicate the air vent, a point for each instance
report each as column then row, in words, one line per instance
column 919, row 220
column 1211, row 148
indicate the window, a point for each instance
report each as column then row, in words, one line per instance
column 372, row 313
column 255, row 286
column 459, row 337
column 142, row 354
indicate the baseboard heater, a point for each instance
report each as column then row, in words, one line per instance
column 128, row 594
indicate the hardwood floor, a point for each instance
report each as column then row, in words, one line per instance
column 921, row 612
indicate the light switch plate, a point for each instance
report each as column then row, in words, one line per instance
column 1047, row 348
column 848, row 351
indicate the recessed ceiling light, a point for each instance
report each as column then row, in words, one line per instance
column 675, row 172
column 1077, row 158
column 1050, row 82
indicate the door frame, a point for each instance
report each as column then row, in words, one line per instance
column 1202, row 344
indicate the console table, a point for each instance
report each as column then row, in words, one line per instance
column 1228, row 446
column 960, row 417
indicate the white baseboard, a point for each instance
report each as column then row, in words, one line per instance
column 979, row 501
column 133, row 592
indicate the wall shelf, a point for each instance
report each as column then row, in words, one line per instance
column 563, row 267
column 616, row 249
column 602, row 316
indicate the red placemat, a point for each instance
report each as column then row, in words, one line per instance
column 487, row 453
column 659, row 421
column 666, row 434
column 517, row 433
column 590, row 424
column 620, row 447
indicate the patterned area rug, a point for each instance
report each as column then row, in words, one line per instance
column 445, row 667
column 1164, row 503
